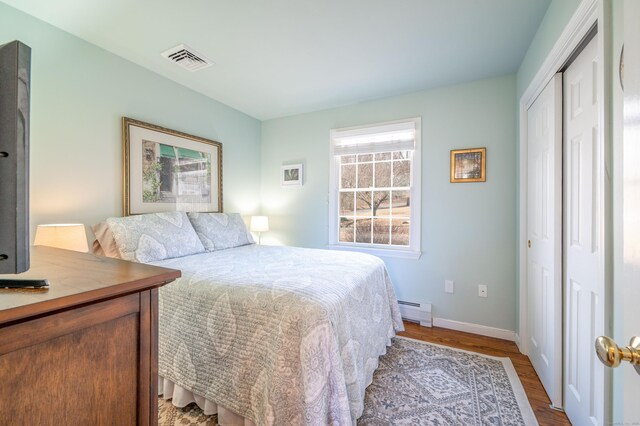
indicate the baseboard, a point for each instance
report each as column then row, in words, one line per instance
column 482, row 330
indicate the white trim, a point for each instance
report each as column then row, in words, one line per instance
column 522, row 243
column 605, row 137
column 577, row 28
column 483, row 330
column 380, row 252
column 413, row 251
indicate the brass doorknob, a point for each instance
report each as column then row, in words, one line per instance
column 612, row 355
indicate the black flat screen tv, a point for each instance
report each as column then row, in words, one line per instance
column 15, row 77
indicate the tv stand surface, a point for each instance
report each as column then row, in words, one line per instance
column 85, row 351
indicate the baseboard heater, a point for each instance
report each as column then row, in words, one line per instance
column 416, row 312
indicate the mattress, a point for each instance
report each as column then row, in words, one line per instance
column 276, row 335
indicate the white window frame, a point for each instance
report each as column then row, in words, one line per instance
column 413, row 251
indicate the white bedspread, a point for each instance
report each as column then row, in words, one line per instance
column 279, row 335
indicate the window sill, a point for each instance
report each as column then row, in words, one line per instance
column 380, row 252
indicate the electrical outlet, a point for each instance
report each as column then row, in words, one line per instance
column 482, row 290
column 448, row 286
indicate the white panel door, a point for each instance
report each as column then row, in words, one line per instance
column 629, row 283
column 583, row 245
column 544, row 256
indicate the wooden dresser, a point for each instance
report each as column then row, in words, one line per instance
column 85, row 351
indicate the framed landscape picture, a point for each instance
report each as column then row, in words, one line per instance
column 292, row 174
column 166, row 170
column 468, row 165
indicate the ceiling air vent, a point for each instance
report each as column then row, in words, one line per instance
column 187, row 58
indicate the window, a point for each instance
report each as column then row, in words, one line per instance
column 375, row 194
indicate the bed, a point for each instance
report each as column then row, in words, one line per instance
column 262, row 334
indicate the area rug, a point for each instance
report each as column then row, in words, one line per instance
column 191, row 415
column 420, row 383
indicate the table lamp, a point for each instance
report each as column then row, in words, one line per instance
column 69, row 236
column 259, row 224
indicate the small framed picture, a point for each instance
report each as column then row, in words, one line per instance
column 292, row 174
column 468, row 165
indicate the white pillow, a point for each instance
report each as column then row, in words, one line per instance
column 219, row 231
column 156, row 236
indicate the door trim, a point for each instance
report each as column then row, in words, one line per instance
column 588, row 14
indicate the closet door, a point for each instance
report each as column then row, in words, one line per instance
column 544, row 256
column 583, row 240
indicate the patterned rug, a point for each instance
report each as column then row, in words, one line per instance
column 419, row 383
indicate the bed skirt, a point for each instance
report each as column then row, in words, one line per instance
column 181, row 397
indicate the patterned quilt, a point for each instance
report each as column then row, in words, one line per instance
column 280, row 335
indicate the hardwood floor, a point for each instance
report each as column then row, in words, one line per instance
column 496, row 347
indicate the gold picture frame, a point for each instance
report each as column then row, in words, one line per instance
column 468, row 165
column 166, row 170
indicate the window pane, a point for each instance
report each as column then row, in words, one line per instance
column 365, row 175
column 365, row 157
column 363, row 203
column 401, row 173
column 346, row 230
column 381, row 231
column 381, row 203
column 401, row 155
column 383, row 156
column 400, row 232
column 347, row 204
column 363, row 231
column 383, row 175
column 401, row 203
column 348, row 176
column 347, row 159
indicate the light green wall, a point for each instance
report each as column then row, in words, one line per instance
column 79, row 93
column 552, row 25
column 467, row 229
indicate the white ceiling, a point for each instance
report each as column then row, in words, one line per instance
column 281, row 57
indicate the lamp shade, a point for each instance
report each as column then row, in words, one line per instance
column 70, row 236
column 259, row 223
